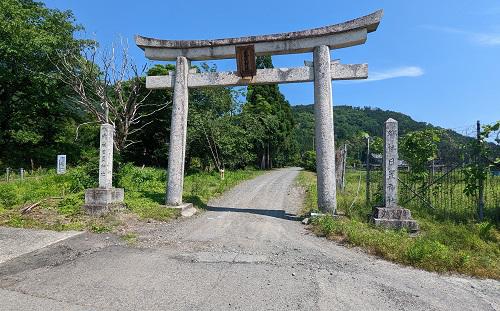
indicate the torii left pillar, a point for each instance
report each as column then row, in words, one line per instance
column 178, row 131
column 323, row 130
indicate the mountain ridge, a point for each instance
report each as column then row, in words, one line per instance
column 349, row 121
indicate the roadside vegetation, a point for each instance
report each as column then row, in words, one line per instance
column 56, row 200
column 441, row 246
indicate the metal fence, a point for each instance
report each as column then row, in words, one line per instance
column 442, row 193
column 439, row 192
column 8, row 174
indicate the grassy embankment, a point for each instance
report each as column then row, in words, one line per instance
column 62, row 196
column 442, row 245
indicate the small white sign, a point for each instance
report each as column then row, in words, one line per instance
column 61, row 164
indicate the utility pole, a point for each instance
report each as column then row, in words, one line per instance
column 479, row 163
column 367, row 170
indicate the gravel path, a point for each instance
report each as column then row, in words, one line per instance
column 247, row 252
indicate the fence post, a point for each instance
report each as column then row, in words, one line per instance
column 344, row 164
column 21, row 173
column 7, row 173
column 368, row 170
column 480, row 201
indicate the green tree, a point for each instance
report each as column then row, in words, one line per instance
column 34, row 118
column 418, row 148
column 309, row 161
column 151, row 146
column 269, row 115
column 484, row 158
column 213, row 134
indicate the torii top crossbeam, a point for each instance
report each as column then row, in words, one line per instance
column 350, row 33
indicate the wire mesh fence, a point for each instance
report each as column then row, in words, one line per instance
column 442, row 192
column 439, row 192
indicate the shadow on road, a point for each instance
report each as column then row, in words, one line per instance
column 265, row 212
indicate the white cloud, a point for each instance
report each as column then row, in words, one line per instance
column 481, row 38
column 400, row 72
column 486, row 39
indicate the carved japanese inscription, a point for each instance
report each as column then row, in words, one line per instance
column 390, row 163
column 245, row 60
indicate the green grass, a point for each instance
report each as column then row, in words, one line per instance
column 130, row 238
column 442, row 246
column 144, row 197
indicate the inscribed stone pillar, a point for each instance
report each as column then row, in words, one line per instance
column 390, row 163
column 178, row 130
column 61, row 164
column 323, row 114
column 105, row 198
column 106, row 156
column 391, row 215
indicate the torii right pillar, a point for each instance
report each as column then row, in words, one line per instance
column 391, row 215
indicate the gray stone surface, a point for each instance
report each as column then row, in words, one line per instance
column 178, row 131
column 187, row 209
column 341, row 35
column 325, row 146
column 409, row 224
column 244, row 253
column 391, row 213
column 263, row 76
column 61, row 164
column 101, row 201
column 106, row 156
column 392, row 216
column 15, row 242
column 390, row 163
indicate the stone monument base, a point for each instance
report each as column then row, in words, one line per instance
column 187, row 209
column 394, row 218
column 100, row 201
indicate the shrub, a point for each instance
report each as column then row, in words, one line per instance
column 309, row 161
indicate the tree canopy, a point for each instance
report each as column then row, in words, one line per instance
column 35, row 120
column 42, row 108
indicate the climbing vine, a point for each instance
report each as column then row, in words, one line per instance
column 478, row 170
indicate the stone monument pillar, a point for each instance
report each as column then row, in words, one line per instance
column 323, row 114
column 106, row 156
column 390, row 162
column 391, row 215
column 61, row 164
column 101, row 200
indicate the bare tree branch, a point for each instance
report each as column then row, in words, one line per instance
column 109, row 86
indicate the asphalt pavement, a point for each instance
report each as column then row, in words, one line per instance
column 247, row 252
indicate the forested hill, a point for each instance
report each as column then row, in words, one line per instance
column 351, row 121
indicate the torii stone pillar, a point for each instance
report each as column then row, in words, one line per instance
column 319, row 41
column 323, row 116
column 178, row 133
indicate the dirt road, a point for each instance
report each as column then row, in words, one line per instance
column 247, row 252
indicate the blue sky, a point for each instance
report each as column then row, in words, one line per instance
column 438, row 61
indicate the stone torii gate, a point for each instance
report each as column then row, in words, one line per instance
column 322, row 71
